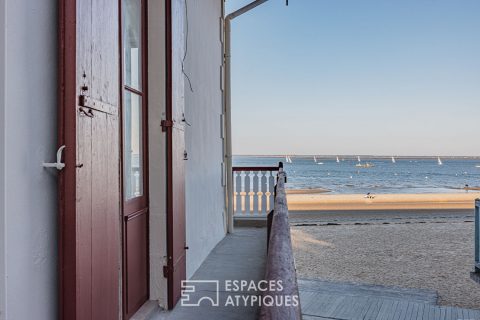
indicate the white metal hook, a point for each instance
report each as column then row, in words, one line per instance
column 58, row 165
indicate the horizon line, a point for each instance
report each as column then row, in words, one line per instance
column 355, row 155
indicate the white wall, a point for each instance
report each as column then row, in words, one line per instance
column 28, row 122
column 205, row 204
column 205, row 200
column 2, row 160
column 30, row 193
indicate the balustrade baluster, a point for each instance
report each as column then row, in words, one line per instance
column 264, row 192
column 255, row 193
column 238, row 189
column 247, row 192
column 271, row 189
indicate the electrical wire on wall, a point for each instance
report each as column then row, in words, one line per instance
column 186, row 47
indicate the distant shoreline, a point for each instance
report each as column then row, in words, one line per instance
column 298, row 201
column 307, row 191
column 354, row 156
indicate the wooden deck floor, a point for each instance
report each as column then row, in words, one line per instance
column 331, row 300
column 242, row 256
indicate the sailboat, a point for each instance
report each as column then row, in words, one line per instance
column 366, row 165
column 315, row 158
column 338, row 160
column 393, row 160
column 440, row 161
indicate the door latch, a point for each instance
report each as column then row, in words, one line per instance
column 59, row 165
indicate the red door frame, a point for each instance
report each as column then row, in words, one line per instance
column 67, row 259
column 138, row 206
column 168, row 129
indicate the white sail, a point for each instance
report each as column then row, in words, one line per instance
column 315, row 158
column 393, row 160
column 358, row 157
column 338, row 160
column 439, row 161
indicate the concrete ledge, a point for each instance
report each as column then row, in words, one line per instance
column 147, row 311
column 239, row 256
column 250, row 222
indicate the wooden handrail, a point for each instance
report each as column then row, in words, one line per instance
column 280, row 262
column 254, row 168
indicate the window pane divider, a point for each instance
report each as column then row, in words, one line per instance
column 135, row 91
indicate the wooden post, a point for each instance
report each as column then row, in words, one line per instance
column 477, row 235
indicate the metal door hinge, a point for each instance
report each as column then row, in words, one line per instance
column 166, row 124
column 166, row 271
column 88, row 102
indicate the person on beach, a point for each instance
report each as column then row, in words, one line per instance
column 369, row 196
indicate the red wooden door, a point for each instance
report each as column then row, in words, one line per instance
column 89, row 245
column 175, row 129
column 135, row 169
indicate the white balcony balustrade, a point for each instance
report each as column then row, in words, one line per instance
column 253, row 191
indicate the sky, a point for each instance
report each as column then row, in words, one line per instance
column 376, row 77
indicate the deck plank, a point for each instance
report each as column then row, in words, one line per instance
column 346, row 301
column 413, row 312
column 372, row 309
column 363, row 311
column 402, row 306
column 408, row 312
column 392, row 314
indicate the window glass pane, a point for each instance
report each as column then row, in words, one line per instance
column 133, row 154
column 132, row 43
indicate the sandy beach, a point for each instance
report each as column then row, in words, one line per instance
column 307, row 200
column 422, row 241
column 433, row 251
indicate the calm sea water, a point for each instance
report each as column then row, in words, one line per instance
column 414, row 175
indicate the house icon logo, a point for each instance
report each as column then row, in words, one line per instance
column 200, row 292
